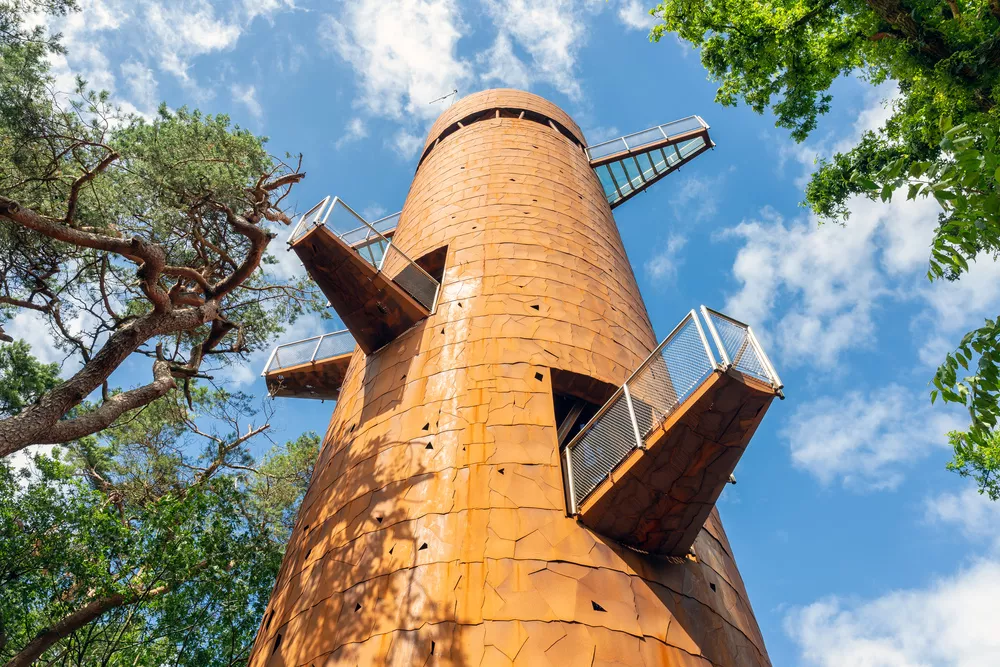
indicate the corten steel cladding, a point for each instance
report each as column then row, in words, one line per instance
column 435, row 528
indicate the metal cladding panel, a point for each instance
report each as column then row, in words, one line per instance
column 434, row 530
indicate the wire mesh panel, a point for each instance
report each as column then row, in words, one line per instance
column 601, row 446
column 669, row 376
column 417, row 282
column 311, row 349
column 293, row 354
column 736, row 340
column 335, row 345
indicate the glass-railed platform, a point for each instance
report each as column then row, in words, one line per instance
column 310, row 368
column 628, row 165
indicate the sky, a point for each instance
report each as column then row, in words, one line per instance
column 856, row 545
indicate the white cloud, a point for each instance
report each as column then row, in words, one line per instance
column 828, row 278
column 635, row 15
column 141, row 85
column 355, row 130
column 404, row 53
column 502, row 64
column 407, row 145
column 31, row 326
column 951, row 622
column 266, row 8
column 664, row 265
column 866, row 440
column 552, row 32
column 181, row 31
column 973, row 513
column 695, row 198
column 247, row 96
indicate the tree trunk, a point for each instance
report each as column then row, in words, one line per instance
column 40, row 423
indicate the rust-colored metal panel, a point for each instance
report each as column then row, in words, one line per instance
column 434, row 530
column 373, row 307
column 659, row 498
column 316, row 379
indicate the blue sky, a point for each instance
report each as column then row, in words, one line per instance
column 856, row 545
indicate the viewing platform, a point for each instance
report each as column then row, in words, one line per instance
column 310, row 368
column 628, row 165
column 648, row 468
column 375, row 288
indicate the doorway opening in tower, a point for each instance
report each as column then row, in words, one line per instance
column 647, row 467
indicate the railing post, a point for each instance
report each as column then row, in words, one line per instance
column 631, row 413
column 704, row 341
column 568, row 461
column 319, row 342
column 715, row 336
column 764, row 358
column 274, row 353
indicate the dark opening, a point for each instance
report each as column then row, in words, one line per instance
column 576, row 398
column 277, row 644
column 422, row 547
column 500, row 471
column 357, row 607
column 432, row 647
column 597, row 607
column 712, row 586
column 433, row 262
column 429, row 446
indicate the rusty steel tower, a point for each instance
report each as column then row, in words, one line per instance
column 515, row 472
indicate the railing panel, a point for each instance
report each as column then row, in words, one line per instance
column 601, row 446
column 417, row 282
column 669, row 376
column 293, row 354
column 316, row 348
column 739, row 346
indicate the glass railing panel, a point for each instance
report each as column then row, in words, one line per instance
column 639, row 139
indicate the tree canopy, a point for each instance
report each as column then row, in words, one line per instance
column 130, row 238
column 125, row 549
column 940, row 141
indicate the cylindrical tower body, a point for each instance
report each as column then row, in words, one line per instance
column 435, row 528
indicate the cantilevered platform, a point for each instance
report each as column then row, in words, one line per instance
column 310, row 368
column 376, row 290
column 628, row 165
column 648, row 468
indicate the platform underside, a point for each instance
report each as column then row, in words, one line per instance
column 320, row 379
column 374, row 308
column 659, row 497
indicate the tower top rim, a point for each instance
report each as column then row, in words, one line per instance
column 501, row 98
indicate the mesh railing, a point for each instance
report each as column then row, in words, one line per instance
column 369, row 240
column 664, row 381
column 310, row 350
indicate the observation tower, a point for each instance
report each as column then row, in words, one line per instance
column 516, row 471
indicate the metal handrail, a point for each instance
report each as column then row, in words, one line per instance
column 660, row 384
